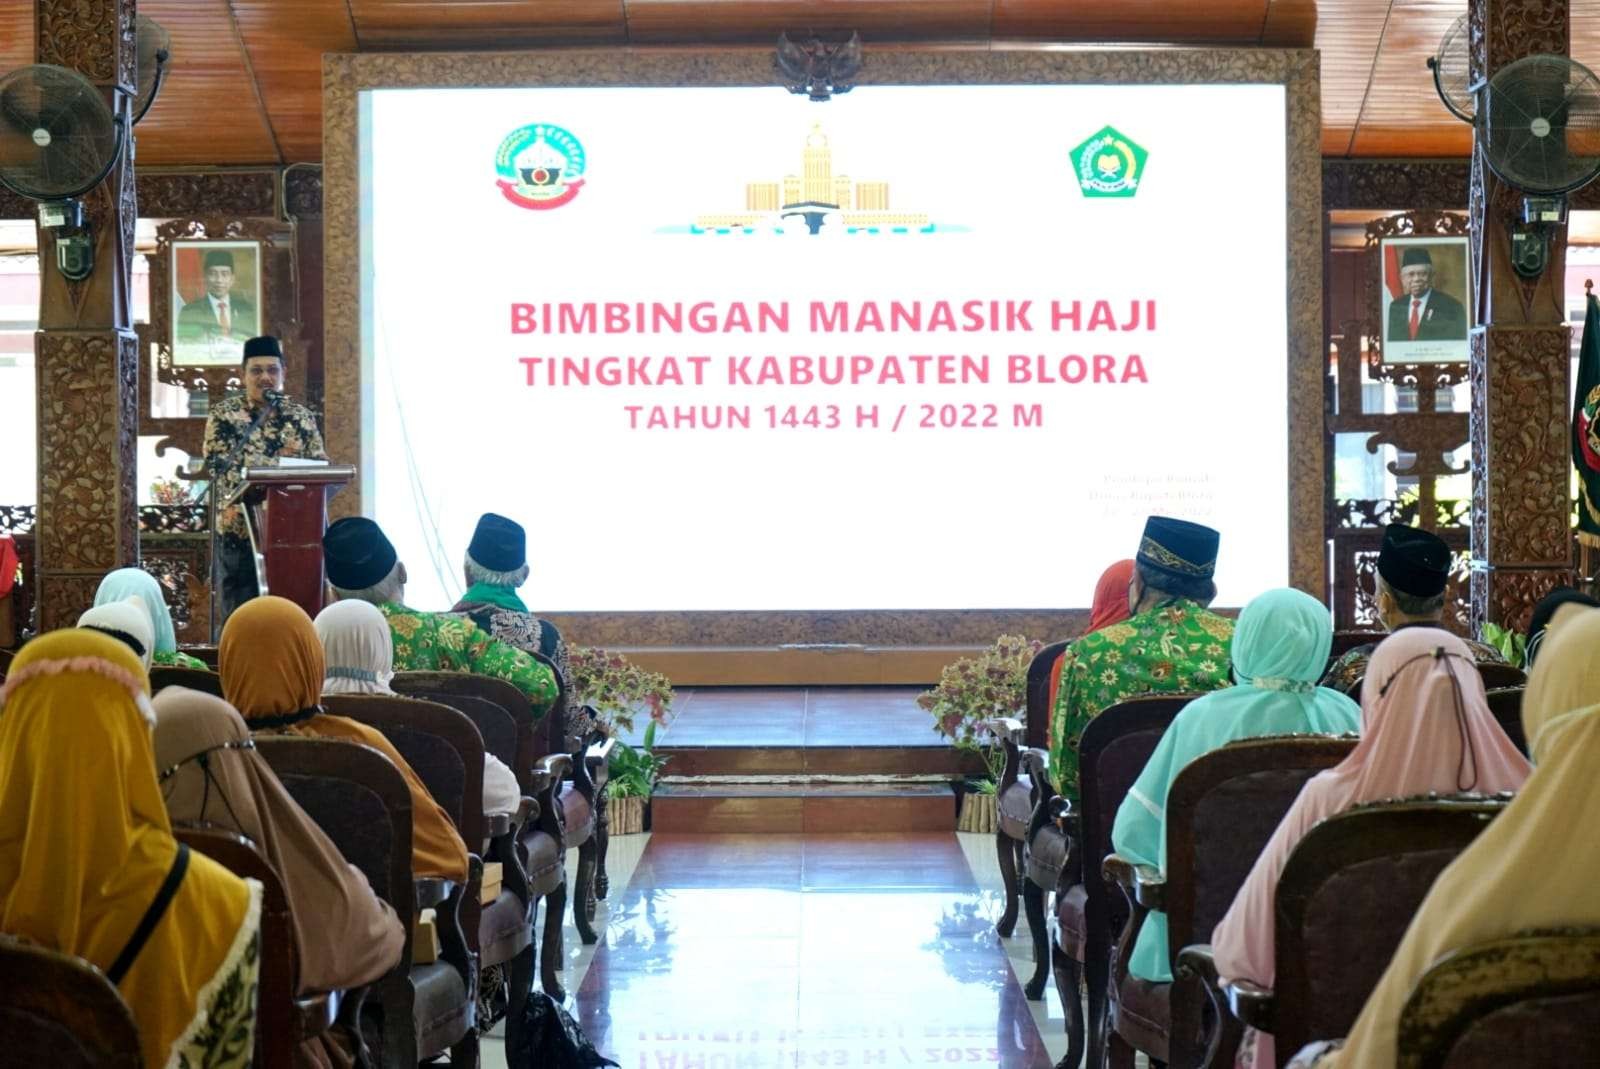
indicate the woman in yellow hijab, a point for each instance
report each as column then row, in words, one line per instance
column 1523, row 872
column 271, row 663
column 88, row 861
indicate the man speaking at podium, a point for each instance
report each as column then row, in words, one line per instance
column 252, row 431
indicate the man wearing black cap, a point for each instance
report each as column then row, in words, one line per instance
column 1171, row 644
column 252, row 430
column 1413, row 570
column 218, row 314
column 496, row 565
column 362, row 565
column 1422, row 313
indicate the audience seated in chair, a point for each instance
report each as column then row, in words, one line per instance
column 1170, row 644
column 1413, row 571
column 124, row 621
column 1110, row 606
column 272, row 672
column 127, row 583
column 1426, row 727
column 345, row 936
column 86, row 849
column 1544, row 612
column 363, row 566
column 1535, row 867
column 1280, row 647
column 360, row 660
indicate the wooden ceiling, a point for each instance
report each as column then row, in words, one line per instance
column 245, row 83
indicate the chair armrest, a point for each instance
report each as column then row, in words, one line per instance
column 497, row 824
column 457, row 919
column 1219, row 1031
column 432, row 890
column 527, row 811
column 597, row 758
column 1036, row 763
column 1005, row 728
column 1251, row 1003
column 556, row 767
column 1009, row 734
column 1143, row 885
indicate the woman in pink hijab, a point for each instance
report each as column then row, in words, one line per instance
column 1425, row 727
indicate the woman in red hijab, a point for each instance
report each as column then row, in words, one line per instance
column 1110, row 607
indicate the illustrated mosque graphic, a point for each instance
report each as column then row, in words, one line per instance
column 818, row 197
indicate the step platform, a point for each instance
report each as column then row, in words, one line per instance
column 711, row 807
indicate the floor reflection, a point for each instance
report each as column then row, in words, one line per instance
column 743, row 952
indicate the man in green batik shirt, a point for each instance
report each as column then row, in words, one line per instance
column 1170, row 645
column 362, row 564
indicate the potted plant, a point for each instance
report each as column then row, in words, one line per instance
column 1513, row 645
column 633, row 772
column 973, row 690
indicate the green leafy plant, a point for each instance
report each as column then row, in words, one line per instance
column 616, row 688
column 992, row 684
column 1513, row 645
column 634, row 771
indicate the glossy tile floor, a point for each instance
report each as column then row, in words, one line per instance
column 744, row 952
column 795, row 716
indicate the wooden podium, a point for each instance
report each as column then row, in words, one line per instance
column 286, row 510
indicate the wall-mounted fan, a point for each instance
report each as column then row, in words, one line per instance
column 1539, row 120
column 1452, row 73
column 153, row 50
column 58, row 140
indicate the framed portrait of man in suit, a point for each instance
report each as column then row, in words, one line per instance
column 1427, row 300
column 216, row 301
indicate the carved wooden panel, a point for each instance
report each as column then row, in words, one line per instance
column 1507, row 595
column 93, row 37
column 208, row 194
column 86, row 392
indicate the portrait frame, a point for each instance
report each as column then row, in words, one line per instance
column 197, row 340
column 1445, row 317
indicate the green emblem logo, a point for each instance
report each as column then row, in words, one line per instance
column 1109, row 164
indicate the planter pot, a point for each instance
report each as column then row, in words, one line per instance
column 627, row 815
column 978, row 813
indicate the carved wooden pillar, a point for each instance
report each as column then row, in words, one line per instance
column 1521, row 455
column 86, row 352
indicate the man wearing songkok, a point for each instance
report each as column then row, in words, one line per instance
column 496, row 565
column 362, row 564
column 1413, row 570
column 250, row 431
column 125, row 583
column 1170, row 645
column 126, row 622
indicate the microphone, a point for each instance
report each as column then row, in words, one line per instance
column 273, row 397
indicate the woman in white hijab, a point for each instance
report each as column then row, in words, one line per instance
column 127, row 622
column 360, row 653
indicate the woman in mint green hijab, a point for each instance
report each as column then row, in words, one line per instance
column 1280, row 649
column 127, row 583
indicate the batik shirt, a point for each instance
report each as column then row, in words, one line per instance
column 176, row 659
column 1175, row 648
column 1351, row 669
column 442, row 642
column 291, row 431
column 526, row 632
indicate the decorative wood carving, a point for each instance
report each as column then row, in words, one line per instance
column 93, row 37
column 1419, row 185
column 1414, row 224
column 303, row 191
column 1507, row 595
column 209, row 194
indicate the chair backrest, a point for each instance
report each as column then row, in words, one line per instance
column 61, row 1011
column 1506, row 705
column 167, row 675
column 361, row 802
column 1221, row 810
column 440, row 744
column 1040, row 670
column 532, row 735
column 494, row 723
column 1363, row 871
column 1498, row 676
column 1526, row 1000
column 1345, row 641
column 5, row 662
column 279, row 981
column 208, row 654
column 1114, row 749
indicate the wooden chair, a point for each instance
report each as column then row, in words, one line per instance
column 208, row 654
column 437, row 738
column 284, row 1018
column 1345, row 899
column 1531, row 1000
column 540, row 835
column 1015, row 794
column 5, row 662
column 167, row 675
column 1345, row 641
column 1506, row 705
column 61, row 1011
column 1088, row 914
column 1221, row 810
column 1501, row 676
column 360, row 800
